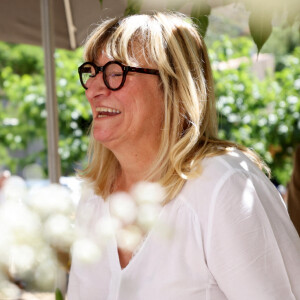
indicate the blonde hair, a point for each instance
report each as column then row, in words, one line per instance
column 171, row 42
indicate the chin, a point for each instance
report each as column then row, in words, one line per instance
column 105, row 139
column 101, row 137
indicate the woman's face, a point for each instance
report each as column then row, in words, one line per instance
column 131, row 116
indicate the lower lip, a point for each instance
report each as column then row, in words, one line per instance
column 106, row 116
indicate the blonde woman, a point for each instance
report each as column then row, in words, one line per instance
column 149, row 83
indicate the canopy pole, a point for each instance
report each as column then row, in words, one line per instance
column 71, row 27
column 51, row 100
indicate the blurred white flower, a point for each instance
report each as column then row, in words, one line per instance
column 283, row 128
column 106, row 229
column 22, row 261
column 262, row 122
column 137, row 212
column 292, row 99
column 36, row 224
column 5, row 243
column 272, row 119
column 59, row 232
column 86, row 251
column 123, row 207
column 129, row 237
column 50, row 199
column 45, row 253
column 14, row 189
column 9, row 290
column 148, row 192
column 21, row 224
column 45, row 274
column 30, row 220
column 297, row 84
column 147, row 215
column 259, row 146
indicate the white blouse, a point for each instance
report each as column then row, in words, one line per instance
column 231, row 238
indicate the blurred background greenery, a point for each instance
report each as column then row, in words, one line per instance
column 261, row 113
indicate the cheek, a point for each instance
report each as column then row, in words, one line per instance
column 143, row 100
column 155, row 114
column 87, row 95
column 159, row 104
column 89, row 99
column 161, row 115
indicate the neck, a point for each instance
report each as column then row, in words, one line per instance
column 134, row 167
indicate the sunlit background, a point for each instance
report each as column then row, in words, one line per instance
column 258, row 106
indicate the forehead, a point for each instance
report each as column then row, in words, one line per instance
column 136, row 57
column 102, row 58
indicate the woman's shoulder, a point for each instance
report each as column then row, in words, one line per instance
column 217, row 168
column 232, row 161
column 230, row 184
column 221, row 175
column 88, row 194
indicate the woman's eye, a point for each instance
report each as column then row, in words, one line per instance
column 116, row 74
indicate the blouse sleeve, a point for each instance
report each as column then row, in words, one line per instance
column 253, row 249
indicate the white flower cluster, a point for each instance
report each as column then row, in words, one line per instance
column 37, row 229
column 33, row 222
column 132, row 216
column 135, row 213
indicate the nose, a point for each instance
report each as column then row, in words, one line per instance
column 96, row 87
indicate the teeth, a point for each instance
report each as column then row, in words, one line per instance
column 106, row 109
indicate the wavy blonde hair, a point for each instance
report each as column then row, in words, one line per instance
column 171, row 42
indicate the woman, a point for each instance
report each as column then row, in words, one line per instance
column 149, row 84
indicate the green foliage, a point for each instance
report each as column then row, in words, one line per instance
column 199, row 13
column 260, row 114
column 58, row 295
column 282, row 41
column 133, row 7
column 23, row 113
column 224, row 48
column 21, row 58
column 74, row 110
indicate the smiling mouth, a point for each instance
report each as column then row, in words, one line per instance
column 103, row 112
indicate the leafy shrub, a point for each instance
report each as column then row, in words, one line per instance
column 261, row 114
column 23, row 112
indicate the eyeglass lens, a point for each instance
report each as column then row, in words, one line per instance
column 112, row 75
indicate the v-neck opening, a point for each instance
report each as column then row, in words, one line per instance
column 139, row 248
column 143, row 243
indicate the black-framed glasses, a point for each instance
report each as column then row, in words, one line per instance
column 114, row 73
